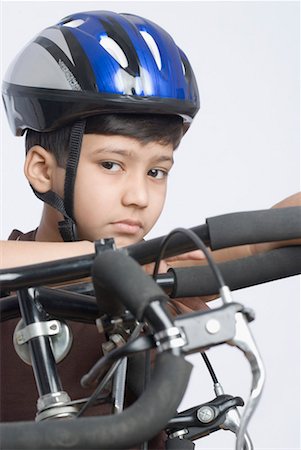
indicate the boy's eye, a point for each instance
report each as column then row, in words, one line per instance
column 157, row 173
column 110, row 165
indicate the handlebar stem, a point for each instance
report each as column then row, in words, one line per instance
column 52, row 399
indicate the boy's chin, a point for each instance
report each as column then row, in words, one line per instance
column 125, row 241
column 120, row 241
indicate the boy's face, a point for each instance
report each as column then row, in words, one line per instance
column 120, row 187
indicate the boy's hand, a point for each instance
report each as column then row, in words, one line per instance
column 184, row 260
column 186, row 304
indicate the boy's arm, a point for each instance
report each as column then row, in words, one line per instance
column 19, row 253
column 22, row 253
column 293, row 200
column 243, row 251
column 199, row 303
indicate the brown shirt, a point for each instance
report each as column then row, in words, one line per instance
column 18, row 390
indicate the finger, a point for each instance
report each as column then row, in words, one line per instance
column 185, row 305
column 163, row 267
column 197, row 303
column 196, row 255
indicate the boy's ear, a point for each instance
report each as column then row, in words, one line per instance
column 39, row 168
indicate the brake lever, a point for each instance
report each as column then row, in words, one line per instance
column 245, row 342
column 227, row 324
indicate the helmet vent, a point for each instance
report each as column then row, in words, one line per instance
column 151, row 43
column 115, row 50
column 183, row 68
column 74, row 23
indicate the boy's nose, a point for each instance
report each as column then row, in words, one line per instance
column 136, row 192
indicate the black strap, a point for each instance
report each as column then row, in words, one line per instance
column 75, row 143
column 52, row 199
column 67, row 227
column 68, row 231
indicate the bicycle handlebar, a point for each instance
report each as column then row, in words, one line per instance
column 178, row 282
column 245, row 272
column 160, row 400
column 115, row 274
column 240, row 228
column 162, row 396
column 251, row 227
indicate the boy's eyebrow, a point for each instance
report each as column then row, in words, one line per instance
column 126, row 152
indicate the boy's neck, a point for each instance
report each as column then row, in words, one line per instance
column 48, row 228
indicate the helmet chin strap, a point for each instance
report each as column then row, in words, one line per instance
column 67, row 227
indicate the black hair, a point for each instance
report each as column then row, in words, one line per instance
column 164, row 129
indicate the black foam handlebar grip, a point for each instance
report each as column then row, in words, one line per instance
column 179, row 444
column 250, row 227
column 121, row 276
column 138, row 423
column 239, row 273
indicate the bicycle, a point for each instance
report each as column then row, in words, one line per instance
column 129, row 306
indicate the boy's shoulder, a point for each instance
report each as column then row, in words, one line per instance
column 17, row 235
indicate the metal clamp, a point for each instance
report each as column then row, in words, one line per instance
column 55, row 405
column 59, row 333
column 170, row 338
column 103, row 244
column 204, row 329
column 36, row 329
column 178, row 434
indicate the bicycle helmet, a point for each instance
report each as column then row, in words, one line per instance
column 94, row 63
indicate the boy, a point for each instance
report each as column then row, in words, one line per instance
column 119, row 164
column 101, row 131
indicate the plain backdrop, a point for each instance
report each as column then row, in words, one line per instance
column 242, row 153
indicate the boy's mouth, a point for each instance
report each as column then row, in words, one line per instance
column 127, row 226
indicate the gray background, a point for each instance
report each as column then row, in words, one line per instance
column 242, row 153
